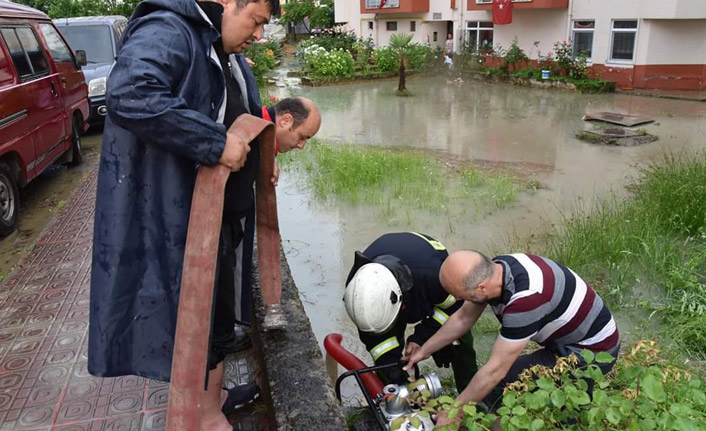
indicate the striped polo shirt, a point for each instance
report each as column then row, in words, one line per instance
column 548, row 303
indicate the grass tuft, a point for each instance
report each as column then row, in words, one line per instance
column 397, row 182
column 653, row 243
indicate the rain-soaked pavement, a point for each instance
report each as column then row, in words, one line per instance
column 43, row 199
column 529, row 130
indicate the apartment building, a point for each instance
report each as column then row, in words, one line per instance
column 636, row 43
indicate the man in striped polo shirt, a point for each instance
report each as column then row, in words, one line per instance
column 534, row 298
column 395, row 282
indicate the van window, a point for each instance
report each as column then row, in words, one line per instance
column 5, row 73
column 94, row 39
column 31, row 45
column 27, row 56
column 57, row 48
column 16, row 52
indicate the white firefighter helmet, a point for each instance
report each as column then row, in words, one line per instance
column 373, row 298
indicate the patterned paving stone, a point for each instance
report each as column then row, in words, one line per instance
column 44, row 382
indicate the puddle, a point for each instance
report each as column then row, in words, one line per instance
column 43, row 199
column 530, row 129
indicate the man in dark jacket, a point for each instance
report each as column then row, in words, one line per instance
column 395, row 282
column 166, row 103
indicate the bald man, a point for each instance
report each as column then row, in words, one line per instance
column 535, row 299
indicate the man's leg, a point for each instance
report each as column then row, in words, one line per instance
column 464, row 364
column 212, row 418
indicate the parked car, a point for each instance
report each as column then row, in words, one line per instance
column 99, row 36
column 43, row 103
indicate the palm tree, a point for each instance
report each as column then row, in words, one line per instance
column 400, row 42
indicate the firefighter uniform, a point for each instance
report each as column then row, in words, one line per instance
column 415, row 260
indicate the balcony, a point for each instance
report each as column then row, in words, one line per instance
column 520, row 4
column 394, row 6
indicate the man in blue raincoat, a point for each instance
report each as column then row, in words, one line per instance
column 166, row 104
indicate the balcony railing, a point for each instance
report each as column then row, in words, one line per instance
column 375, row 4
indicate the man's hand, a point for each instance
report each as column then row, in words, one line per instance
column 235, row 153
column 443, row 421
column 275, row 175
column 250, row 62
column 412, row 357
column 411, row 348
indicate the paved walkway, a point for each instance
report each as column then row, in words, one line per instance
column 44, row 384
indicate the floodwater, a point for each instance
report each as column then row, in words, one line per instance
column 42, row 200
column 529, row 130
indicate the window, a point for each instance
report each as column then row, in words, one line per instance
column 483, row 1
column 27, row 56
column 96, row 40
column 57, row 48
column 583, row 38
column 624, row 36
column 391, row 25
column 5, row 73
column 413, row 26
column 479, row 35
column 370, row 25
column 375, row 4
column 436, row 36
column 31, row 46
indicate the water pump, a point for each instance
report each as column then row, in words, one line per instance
column 395, row 407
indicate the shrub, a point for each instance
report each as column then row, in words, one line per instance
column 333, row 64
column 264, row 56
column 333, row 39
column 644, row 392
column 514, row 56
column 420, row 57
column 386, row 59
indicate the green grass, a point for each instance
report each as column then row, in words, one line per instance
column 398, row 182
column 652, row 244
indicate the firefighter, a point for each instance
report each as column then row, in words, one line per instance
column 395, row 283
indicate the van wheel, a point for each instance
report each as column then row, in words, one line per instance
column 9, row 201
column 76, row 150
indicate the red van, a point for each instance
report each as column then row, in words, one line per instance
column 43, row 103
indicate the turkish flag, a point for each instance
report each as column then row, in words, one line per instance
column 382, row 3
column 502, row 12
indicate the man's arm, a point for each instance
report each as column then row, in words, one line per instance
column 458, row 324
column 141, row 92
column 502, row 356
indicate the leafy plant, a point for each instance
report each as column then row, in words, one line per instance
column 386, row 59
column 318, row 13
column 644, row 392
column 513, row 57
column 264, row 57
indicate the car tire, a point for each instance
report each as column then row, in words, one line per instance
column 9, row 201
column 76, row 150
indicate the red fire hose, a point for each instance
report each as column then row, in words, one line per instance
column 332, row 344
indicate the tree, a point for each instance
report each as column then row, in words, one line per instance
column 401, row 42
column 319, row 13
column 71, row 8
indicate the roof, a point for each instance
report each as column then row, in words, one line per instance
column 89, row 20
column 10, row 9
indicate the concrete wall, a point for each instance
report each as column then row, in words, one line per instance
column 663, row 36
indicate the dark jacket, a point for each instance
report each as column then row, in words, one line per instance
column 163, row 98
column 415, row 260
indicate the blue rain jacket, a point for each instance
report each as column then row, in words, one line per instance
column 163, row 98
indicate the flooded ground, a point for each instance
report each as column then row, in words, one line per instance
column 42, row 199
column 530, row 130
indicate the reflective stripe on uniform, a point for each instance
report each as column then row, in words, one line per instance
column 448, row 302
column 432, row 242
column 384, row 347
column 440, row 316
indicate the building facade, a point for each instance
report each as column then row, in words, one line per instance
column 658, row 44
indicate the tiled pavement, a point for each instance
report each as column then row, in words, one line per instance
column 44, row 384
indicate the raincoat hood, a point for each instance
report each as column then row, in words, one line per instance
column 186, row 8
